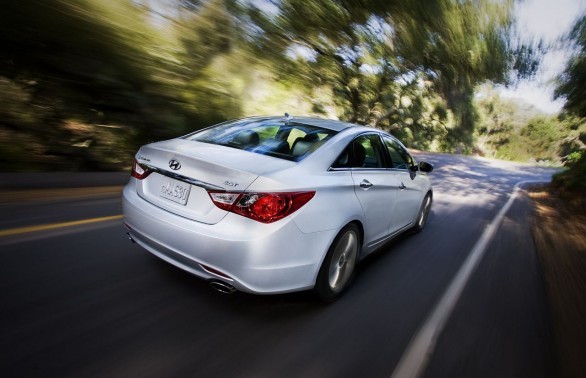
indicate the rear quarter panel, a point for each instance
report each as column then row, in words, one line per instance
column 334, row 205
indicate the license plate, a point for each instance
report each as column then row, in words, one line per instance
column 175, row 190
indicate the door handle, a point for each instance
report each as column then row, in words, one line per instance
column 365, row 184
column 402, row 186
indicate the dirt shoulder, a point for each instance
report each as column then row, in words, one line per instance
column 559, row 233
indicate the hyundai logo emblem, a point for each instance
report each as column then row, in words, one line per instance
column 174, row 164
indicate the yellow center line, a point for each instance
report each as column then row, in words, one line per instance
column 52, row 226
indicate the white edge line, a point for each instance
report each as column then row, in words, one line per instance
column 415, row 358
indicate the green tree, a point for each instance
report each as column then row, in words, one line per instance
column 83, row 62
column 496, row 122
column 572, row 82
column 514, row 130
column 366, row 52
column 571, row 86
column 84, row 79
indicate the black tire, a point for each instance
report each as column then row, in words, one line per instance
column 338, row 268
column 423, row 213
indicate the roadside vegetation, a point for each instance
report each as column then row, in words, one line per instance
column 572, row 86
column 559, row 224
column 511, row 130
column 84, row 82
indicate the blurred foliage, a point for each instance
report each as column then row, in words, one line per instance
column 572, row 86
column 80, row 62
column 368, row 59
column 512, row 130
column 572, row 82
column 574, row 178
column 83, row 83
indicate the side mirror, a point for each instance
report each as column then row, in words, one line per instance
column 425, row 167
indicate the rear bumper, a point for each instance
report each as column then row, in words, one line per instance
column 254, row 257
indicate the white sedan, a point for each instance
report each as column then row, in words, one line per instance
column 274, row 205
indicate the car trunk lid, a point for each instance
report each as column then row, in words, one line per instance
column 184, row 171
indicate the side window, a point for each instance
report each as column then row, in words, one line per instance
column 363, row 152
column 400, row 159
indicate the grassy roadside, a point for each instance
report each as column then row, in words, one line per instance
column 559, row 233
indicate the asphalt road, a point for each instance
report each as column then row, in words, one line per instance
column 82, row 300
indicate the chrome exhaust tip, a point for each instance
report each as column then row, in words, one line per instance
column 222, row 287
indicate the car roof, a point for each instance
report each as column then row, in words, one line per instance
column 311, row 121
column 325, row 123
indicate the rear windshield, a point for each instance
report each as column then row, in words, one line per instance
column 291, row 141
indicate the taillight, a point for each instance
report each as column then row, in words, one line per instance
column 261, row 207
column 140, row 171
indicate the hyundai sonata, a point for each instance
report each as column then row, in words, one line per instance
column 274, row 205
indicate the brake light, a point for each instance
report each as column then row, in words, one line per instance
column 261, row 207
column 140, row 171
